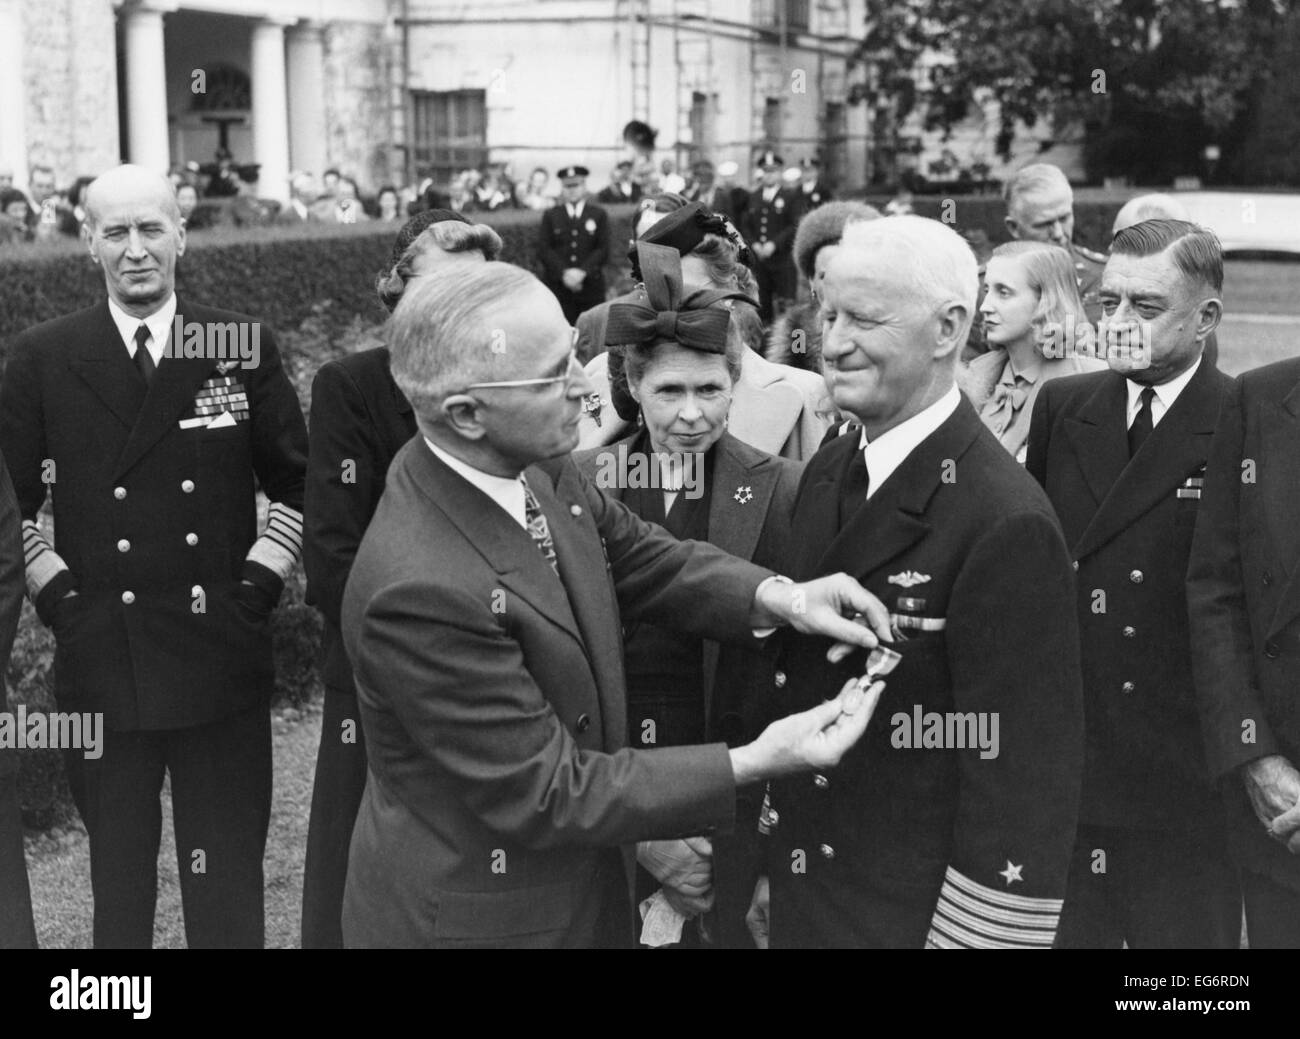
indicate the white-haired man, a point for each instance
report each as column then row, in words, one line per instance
column 482, row 619
column 157, row 587
column 951, row 823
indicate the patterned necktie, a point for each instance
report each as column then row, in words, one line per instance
column 143, row 358
column 1143, row 424
column 538, row 529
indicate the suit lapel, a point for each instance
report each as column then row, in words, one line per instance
column 1173, row 451
column 763, row 415
column 505, row 545
column 817, row 510
column 105, row 366
column 170, row 393
column 1099, row 436
column 1281, row 446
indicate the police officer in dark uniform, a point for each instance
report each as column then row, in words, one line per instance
column 1122, row 455
column 812, row 192
column 158, row 587
column 769, row 224
column 573, row 245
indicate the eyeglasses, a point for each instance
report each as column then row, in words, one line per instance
column 566, row 378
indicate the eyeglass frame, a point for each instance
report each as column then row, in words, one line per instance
column 512, row 383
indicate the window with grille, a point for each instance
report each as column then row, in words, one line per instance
column 449, row 132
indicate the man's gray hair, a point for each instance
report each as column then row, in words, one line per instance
column 441, row 336
column 1034, row 177
column 937, row 264
column 1148, row 207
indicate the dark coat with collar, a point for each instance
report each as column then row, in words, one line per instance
column 359, row 421
column 903, row 844
column 1243, row 592
column 749, row 517
column 153, row 520
column 1129, row 527
column 494, row 709
column 564, row 242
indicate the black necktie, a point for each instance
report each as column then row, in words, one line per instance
column 853, row 491
column 1142, row 425
column 143, row 358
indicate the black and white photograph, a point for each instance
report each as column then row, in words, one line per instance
column 652, row 475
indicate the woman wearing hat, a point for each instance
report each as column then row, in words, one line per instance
column 359, row 420
column 681, row 469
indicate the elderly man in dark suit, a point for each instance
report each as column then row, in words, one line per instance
column 1243, row 592
column 951, row 823
column 482, row 621
column 359, row 420
column 17, row 929
column 1121, row 454
column 156, row 419
column 573, row 244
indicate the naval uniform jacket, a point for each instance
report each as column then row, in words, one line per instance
column 773, row 221
column 493, row 705
column 903, row 845
column 155, row 520
column 1129, row 527
column 1243, row 593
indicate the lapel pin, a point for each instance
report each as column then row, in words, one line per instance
column 592, row 405
column 744, row 495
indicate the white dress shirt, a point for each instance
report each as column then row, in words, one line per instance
column 575, row 210
column 505, row 491
column 159, row 324
column 1166, row 394
column 889, row 450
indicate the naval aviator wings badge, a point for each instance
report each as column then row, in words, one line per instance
column 908, row 579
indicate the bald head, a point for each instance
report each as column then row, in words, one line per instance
column 1148, row 207
column 130, row 184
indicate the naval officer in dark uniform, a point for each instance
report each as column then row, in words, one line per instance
column 1122, row 454
column 573, row 245
column 158, row 587
column 769, row 223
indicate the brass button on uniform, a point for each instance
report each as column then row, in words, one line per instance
column 827, row 851
column 1128, row 687
column 1271, row 650
column 128, row 597
column 1075, row 564
column 119, row 493
column 820, row 781
column 191, row 539
column 124, row 545
column 1129, row 631
column 584, row 723
column 575, row 510
column 1268, row 578
column 1136, row 577
column 773, row 817
column 187, row 486
column 779, row 679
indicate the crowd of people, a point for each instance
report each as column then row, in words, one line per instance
column 809, row 593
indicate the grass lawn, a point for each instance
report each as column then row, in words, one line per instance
column 58, row 863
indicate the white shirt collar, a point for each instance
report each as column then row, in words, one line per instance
column 505, row 491
column 159, row 324
column 1166, row 394
column 575, row 209
column 889, row 450
column 769, row 194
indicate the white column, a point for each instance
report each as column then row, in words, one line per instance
column 148, row 141
column 13, row 122
column 306, row 59
column 270, row 110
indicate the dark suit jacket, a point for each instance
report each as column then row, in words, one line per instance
column 147, row 511
column 1243, row 592
column 774, row 221
column 493, row 705
column 359, row 421
column 564, row 243
column 1130, row 532
column 903, row 844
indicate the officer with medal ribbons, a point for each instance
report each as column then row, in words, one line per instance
column 157, row 584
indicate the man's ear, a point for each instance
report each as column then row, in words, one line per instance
column 1013, row 228
column 461, row 413
column 88, row 237
column 953, row 319
column 180, row 238
column 1208, row 315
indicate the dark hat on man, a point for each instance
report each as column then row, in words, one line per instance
column 810, row 164
column 770, row 160
column 573, row 172
column 640, row 134
column 623, row 164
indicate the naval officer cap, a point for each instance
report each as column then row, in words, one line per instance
column 769, row 160
column 573, row 173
